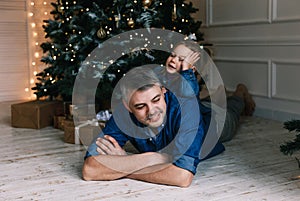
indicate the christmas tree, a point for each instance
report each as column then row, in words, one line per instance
column 292, row 146
column 78, row 27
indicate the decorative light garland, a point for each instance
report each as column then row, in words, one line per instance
column 37, row 12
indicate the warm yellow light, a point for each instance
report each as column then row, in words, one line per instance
column 36, row 55
column 32, row 81
column 33, row 25
column 45, row 3
column 35, row 34
column 26, row 89
column 36, row 43
column 45, row 13
column 34, row 73
column 30, row 14
column 32, row 3
column 33, row 63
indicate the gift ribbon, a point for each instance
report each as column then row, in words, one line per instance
column 93, row 122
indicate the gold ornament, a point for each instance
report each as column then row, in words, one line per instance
column 147, row 3
column 131, row 23
column 101, row 33
column 60, row 7
column 174, row 13
column 117, row 20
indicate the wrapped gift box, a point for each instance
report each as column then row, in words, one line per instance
column 34, row 114
column 69, row 131
column 81, row 134
column 58, row 121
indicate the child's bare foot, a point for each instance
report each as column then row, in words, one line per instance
column 242, row 91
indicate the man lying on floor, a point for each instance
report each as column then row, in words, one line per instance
column 168, row 132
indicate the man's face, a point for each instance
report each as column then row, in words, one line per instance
column 148, row 106
column 174, row 61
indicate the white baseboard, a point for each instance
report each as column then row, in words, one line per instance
column 275, row 115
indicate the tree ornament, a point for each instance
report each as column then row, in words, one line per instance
column 174, row 13
column 60, row 7
column 131, row 23
column 192, row 36
column 117, row 20
column 101, row 33
column 147, row 3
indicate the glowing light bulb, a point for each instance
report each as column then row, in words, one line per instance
column 32, row 3
column 33, row 63
column 34, row 73
column 26, row 89
column 32, row 81
column 36, row 55
column 30, row 14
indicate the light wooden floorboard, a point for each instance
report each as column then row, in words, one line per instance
column 38, row 165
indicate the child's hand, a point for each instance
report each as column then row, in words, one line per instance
column 190, row 60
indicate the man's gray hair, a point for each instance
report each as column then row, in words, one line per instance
column 137, row 79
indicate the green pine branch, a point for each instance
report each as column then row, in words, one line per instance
column 290, row 147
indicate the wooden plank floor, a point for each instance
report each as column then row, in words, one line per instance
column 38, row 165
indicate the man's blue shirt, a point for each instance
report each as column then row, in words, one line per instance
column 181, row 135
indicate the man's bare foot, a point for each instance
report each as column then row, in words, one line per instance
column 242, row 91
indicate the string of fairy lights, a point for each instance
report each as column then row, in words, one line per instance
column 37, row 12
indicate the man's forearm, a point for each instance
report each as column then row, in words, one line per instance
column 110, row 167
column 168, row 174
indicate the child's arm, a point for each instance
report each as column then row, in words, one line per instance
column 189, row 83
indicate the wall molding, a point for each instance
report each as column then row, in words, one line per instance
column 210, row 22
column 263, row 66
column 272, row 16
column 277, row 18
column 274, row 69
column 255, row 41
